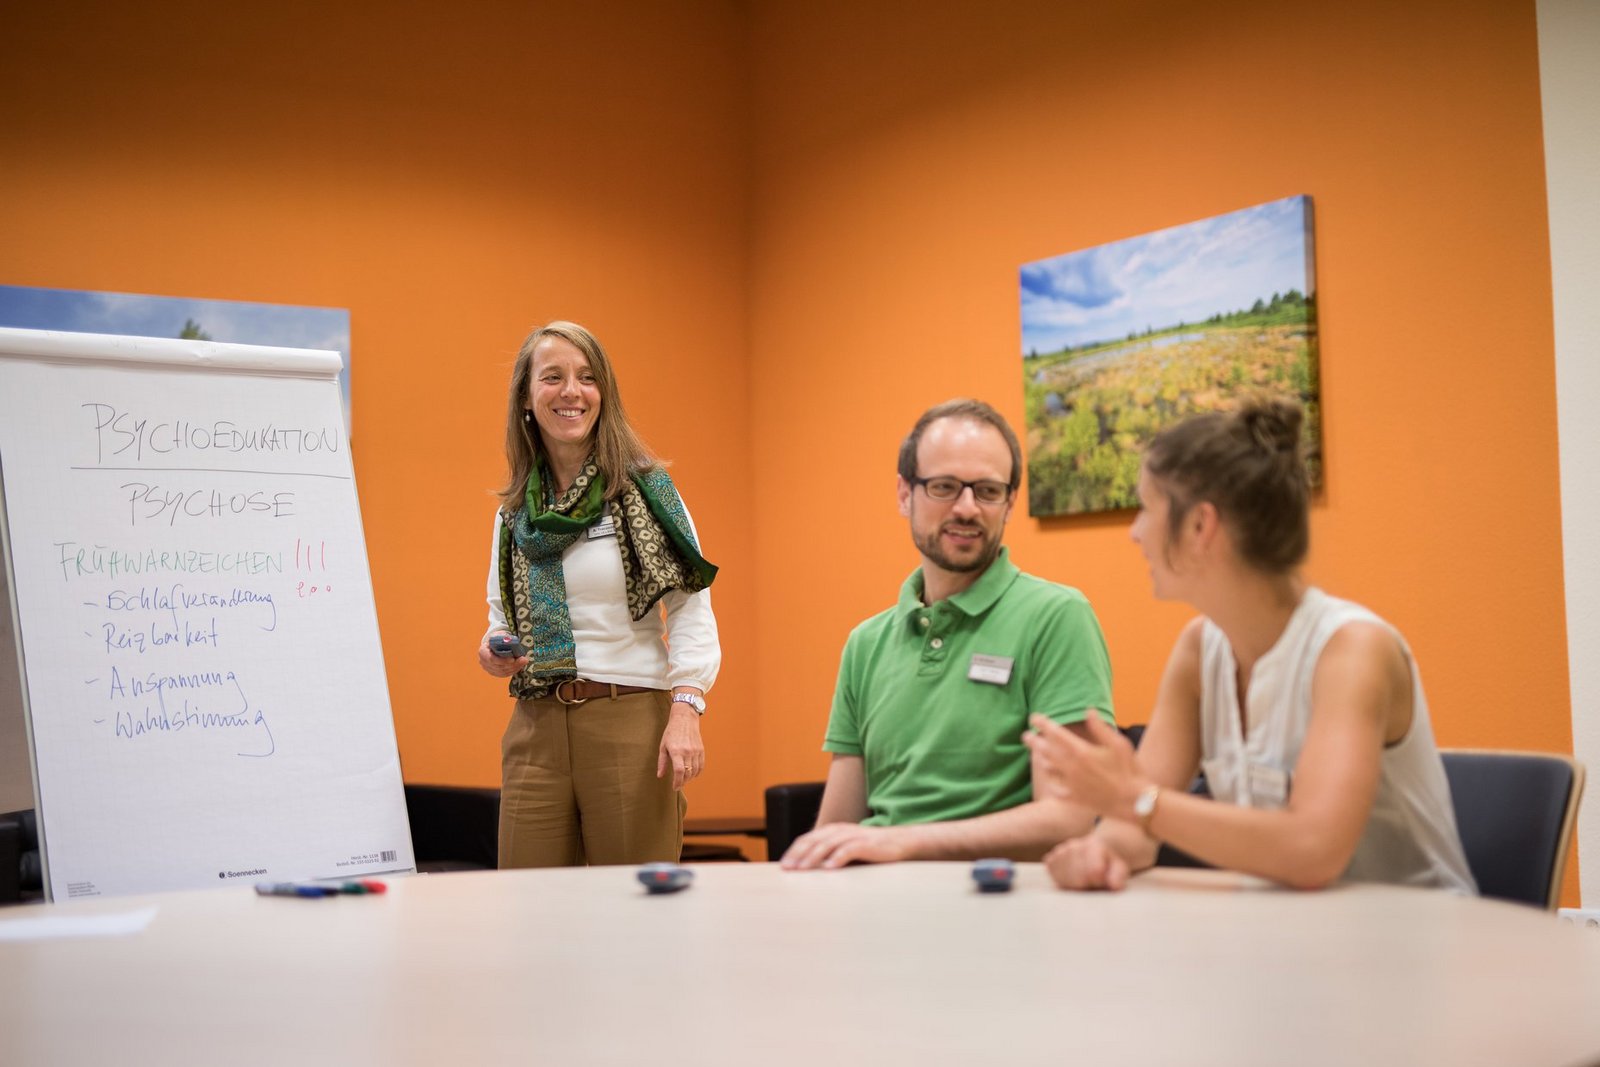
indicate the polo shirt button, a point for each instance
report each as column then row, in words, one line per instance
column 922, row 621
column 937, row 642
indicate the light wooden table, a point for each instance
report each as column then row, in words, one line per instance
column 903, row 964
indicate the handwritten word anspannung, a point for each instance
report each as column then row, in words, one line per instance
column 156, row 683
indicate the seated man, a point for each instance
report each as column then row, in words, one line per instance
column 934, row 694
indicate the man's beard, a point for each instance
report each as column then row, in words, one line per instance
column 988, row 548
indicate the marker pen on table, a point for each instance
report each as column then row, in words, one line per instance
column 313, row 889
column 290, row 889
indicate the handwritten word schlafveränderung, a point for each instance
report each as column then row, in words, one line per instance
column 171, row 599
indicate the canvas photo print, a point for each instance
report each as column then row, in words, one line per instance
column 1121, row 340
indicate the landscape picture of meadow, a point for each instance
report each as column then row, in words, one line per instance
column 1121, row 340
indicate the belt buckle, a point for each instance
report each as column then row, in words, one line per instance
column 572, row 682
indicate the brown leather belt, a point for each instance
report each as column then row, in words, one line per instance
column 578, row 690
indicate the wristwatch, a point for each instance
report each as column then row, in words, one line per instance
column 1144, row 806
column 698, row 703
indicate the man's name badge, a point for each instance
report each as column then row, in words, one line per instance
column 996, row 670
column 604, row 528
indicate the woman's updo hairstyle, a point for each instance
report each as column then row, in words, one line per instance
column 1248, row 464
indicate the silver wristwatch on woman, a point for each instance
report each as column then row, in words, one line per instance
column 698, row 703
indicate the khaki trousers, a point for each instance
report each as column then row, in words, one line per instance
column 579, row 786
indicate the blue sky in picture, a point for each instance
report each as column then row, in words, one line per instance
column 137, row 315
column 1183, row 274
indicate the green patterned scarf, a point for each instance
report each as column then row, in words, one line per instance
column 659, row 554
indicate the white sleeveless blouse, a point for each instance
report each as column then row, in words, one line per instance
column 1411, row 836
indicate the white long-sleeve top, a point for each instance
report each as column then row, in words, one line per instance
column 674, row 644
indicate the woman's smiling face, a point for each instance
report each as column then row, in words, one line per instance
column 563, row 394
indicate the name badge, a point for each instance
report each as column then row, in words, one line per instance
column 606, row 527
column 1269, row 787
column 996, row 670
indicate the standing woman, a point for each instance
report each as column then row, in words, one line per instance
column 596, row 570
column 1305, row 711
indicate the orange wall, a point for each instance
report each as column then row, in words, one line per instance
column 453, row 184
column 797, row 223
column 912, row 155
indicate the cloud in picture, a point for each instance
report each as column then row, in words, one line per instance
column 1184, row 274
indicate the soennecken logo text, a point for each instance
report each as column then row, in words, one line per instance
column 242, row 874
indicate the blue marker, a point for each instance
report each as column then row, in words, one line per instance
column 317, row 889
column 290, row 889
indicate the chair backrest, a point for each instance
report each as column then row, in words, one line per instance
column 454, row 828
column 1516, row 812
column 791, row 810
column 21, row 875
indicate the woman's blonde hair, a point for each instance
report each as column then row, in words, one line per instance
column 619, row 452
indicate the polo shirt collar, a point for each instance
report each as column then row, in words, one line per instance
column 974, row 600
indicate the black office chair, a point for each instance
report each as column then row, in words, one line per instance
column 1516, row 812
column 791, row 810
column 454, row 828
column 21, row 873
column 10, row 858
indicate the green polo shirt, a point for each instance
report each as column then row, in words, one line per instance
column 940, row 731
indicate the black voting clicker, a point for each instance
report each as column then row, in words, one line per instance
column 505, row 646
column 665, row 877
column 993, row 876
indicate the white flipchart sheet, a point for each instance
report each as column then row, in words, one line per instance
column 202, row 676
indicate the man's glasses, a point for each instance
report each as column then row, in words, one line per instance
column 944, row 487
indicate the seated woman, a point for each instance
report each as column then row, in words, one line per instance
column 1305, row 711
